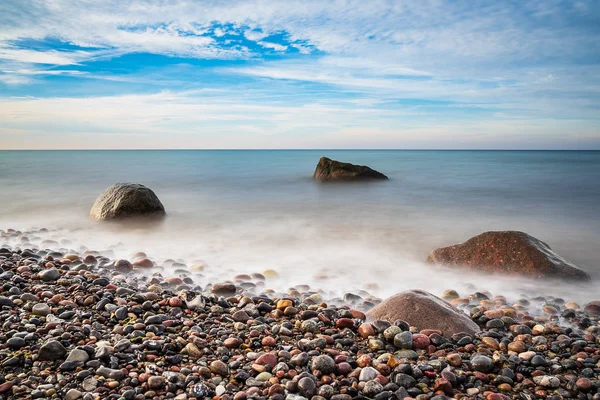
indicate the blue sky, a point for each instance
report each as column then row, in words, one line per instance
column 303, row 74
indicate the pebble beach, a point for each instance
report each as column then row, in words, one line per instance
column 78, row 324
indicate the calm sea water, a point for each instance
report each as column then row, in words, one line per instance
column 245, row 211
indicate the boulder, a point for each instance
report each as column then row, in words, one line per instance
column 126, row 200
column 423, row 310
column 331, row 170
column 508, row 252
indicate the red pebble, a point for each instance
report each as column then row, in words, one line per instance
column 420, row 341
column 267, row 358
column 344, row 323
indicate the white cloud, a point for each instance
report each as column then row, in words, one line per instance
column 51, row 57
column 274, row 46
column 216, row 119
column 530, row 60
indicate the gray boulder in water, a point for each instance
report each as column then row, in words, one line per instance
column 125, row 200
column 332, row 170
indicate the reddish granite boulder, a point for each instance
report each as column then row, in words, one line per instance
column 331, row 170
column 424, row 311
column 508, row 252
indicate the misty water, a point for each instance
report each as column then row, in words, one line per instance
column 247, row 211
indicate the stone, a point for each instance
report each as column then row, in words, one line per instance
column 51, row 351
column 240, row 316
column 267, row 359
column 307, row 387
column 547, row 381
column 78, row 356
column 365, row 330
column 332, row 170
column 49, row 275
column 156, row 382
column 507, row 252
column 403, row 340
column 219, row 367
column 73, row 394
column 372, row 389
column 481, row 363
column 367, row 374
column 15, row 343
column 41, row 309
column 324, row 364
column 424, row 311
column 404, row 380
column 123, row 266
column 5, row 301
column 143, row 263
column 592, row 308
column 223, row 289
column 583, row 384
column 192, row 351
column 111, row 373
column 125, row 200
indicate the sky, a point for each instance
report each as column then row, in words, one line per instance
column 299, row 74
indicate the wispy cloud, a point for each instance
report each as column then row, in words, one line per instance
column 320, row 67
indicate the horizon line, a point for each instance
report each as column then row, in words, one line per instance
column 305, row 149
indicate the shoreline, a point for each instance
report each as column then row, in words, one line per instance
column 84, row 330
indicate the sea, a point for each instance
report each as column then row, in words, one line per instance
column 243, row 211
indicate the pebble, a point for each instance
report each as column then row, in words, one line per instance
column 159, row 336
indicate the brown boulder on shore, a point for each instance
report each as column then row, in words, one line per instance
column 423, row 311
column 332, row 170
column 508, row 252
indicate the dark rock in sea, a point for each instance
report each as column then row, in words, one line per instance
column 331, row 170
column 508, row 252
column 127, row 200
column 424, row 311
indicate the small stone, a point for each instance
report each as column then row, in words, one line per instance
column 192, row 351
column 367, row 374
column 123, row 266
column 156, row 382
column 481, row 363
column 219, row 367
column 52, row 351
column 491, row 342
column 41, row 309
column 283, row 304
column 583, row 384
column 307, row 387
column 267, row 359
column 15, row 343
column 517, row 346
column 78, row 356
column 454, row 359
column 365, row 330
column 232, row 343
column 324, row 364
column 73, row 394
column 115, row 374
column 372, row 389
column 547, row 381
column 404, row 340
column 240, row 316
column 49, row 275
column 223, row 289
